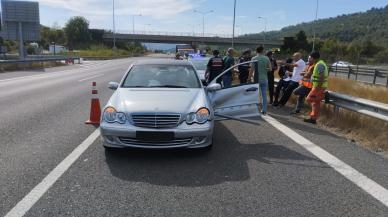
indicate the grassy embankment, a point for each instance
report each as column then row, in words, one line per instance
column 105, row 52
column 368, row 131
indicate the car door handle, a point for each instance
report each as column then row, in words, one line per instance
column 252, row 89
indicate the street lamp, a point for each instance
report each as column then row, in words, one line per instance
column 265, row 27
column 234, row 22
column 133, row 22
column 316, row 17
column 114, row 26
column 204, row 13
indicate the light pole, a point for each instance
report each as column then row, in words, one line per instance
column 204, row 13
column 234, row 21
column 114, row 26
column 265, row 28
column 314, row 30
column 133, row 22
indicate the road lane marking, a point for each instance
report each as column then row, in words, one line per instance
column 362, row 181
column 38, row 191
column 88, row 78
column 52, row 74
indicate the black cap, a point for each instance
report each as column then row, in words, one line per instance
column 315, row 54
column 216, row 52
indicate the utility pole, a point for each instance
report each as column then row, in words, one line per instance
column 265, row 29
column 315, row 22
column 114, row 26
column 234, row 22
column 204, row 13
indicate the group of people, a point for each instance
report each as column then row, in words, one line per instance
column 305, row 80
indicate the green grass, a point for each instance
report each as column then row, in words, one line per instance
column 103, row 51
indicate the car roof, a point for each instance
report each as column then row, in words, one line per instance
column 163, row 62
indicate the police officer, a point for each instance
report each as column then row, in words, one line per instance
column 244, row 68
column 215, row 67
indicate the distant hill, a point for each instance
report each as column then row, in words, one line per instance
column 371, row 25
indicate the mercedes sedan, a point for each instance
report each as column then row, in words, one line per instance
column 162, row 104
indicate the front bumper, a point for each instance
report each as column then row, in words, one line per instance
column 186, row 136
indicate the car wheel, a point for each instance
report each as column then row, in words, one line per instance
column 109, row 149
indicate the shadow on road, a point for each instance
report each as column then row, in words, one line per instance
column 226, row 162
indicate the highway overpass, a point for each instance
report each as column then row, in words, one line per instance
column 193, row 40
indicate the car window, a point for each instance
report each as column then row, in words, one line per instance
column 165, row 76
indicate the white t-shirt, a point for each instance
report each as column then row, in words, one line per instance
column 296, row 75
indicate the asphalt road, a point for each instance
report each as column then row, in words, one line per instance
column 253, row 170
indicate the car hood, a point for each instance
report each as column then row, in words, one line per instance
column 159, row 100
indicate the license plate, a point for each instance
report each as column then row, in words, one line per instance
column 155, row 136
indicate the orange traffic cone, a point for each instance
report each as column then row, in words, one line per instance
column 95, row 110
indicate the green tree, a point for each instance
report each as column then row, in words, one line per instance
column 77, row 33
column 302, row 43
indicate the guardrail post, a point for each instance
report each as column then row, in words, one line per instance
column 350, row 71
column 357, row 73
column 387, row 80
column 375, row 76
column 336, row 70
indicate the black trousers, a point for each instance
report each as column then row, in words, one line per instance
column 243, row 77
column 288, row 92
column 282, row 85
column 271, row 85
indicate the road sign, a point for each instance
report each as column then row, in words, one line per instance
column 24, row 13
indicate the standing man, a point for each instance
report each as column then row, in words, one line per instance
column 244, row 68
column 259, row 71
column 215, row 67
column 305, row 86
column 228, row 62
column 299, row 65
column 271, row 76
column 320, row 82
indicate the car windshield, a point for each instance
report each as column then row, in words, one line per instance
column 200, row 64
column 164, row 76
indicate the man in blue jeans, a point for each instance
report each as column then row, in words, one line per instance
column 259, row 72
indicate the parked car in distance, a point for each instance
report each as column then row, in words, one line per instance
column 342, row 64
column 200, row 65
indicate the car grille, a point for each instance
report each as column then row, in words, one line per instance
column 174, row 142
column 156, row 120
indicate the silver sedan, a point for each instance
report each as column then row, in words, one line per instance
column 162, row 104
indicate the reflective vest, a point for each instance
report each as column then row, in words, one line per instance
column 306, row 81
column 315, row 77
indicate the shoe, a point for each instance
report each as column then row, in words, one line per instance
column 275, row 104
column 309, row 120
column 294, row 112
column 264, row 113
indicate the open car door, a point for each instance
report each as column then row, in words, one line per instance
column 236, row 102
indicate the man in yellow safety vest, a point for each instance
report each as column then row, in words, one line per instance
column 320, row 83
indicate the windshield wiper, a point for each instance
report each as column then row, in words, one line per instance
column 169, row 86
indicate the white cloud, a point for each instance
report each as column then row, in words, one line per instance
column 158, row 9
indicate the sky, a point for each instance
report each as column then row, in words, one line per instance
column 178, row 16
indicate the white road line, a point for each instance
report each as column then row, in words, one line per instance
column 38, row 191
column 362, row 181
column 88, row 78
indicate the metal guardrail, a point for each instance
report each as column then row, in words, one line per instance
column 32, row 60
column 362, row 106
column 356, row 71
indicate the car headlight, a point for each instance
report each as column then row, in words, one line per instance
column 200, row 117
column 111, row 116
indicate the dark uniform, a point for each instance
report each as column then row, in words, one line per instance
column 244, row 69
column 215, row 67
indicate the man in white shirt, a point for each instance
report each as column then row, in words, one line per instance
column 299, row 65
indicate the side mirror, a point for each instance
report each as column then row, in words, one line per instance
column 214, row 87
column 113, row 85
